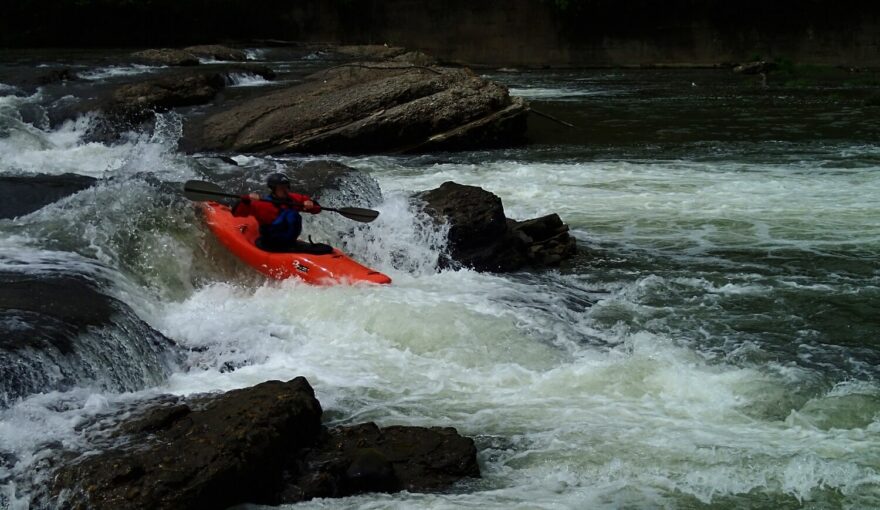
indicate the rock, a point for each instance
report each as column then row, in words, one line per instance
column 61, row 75
column 217, row 52
column 24, row 80
column 166, row 57
column 58, row 330
column 136, row 101
column 378, row 53
column 370, row 52
column 20, row 195
column 365, row 458
column 416, row 58
column 547, row 238
column 258, row 445
column 367, row 109
column 343, row 184
column 755, row 67
column 208, row 452
column 481, row 237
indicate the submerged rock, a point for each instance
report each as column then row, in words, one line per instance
column 342, row 184
column 20, row 195
column 60, row 330
column 367, row 108
column 365, row 458
column 61, row 75
column 217, row 52
column 166, row 57
column 135, row 101
column 380, row 52
column 481, row 237
column 263, row 445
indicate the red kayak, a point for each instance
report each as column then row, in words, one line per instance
column 239, row 235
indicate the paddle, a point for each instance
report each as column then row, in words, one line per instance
column 201, row 191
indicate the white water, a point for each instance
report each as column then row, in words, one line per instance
column 572, row 406
column 544, row 93
column 246, row 80
column 103, row 73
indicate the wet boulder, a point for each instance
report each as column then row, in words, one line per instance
column 263, row 445
column 59, row 330
column 335, row 184
column 205, row 452
column 369, row 108
column 366, row 458
column 382, row 52
column 483, row 238
column 136, row 101
column 60, row 75
column 369, row 52
column 26, row 79
column 20, row 195
column 216, row 52
column 166, row 57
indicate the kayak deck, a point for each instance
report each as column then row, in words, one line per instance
column 239, row 235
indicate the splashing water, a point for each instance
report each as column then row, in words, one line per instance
column 713, row 345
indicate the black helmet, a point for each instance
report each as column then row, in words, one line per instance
column 276, row 179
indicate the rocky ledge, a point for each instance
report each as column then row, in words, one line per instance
column 375, row 107
column 263, row 445
column 20, row 195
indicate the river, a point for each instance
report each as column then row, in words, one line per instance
column 715, row 343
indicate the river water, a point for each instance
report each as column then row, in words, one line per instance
column 714, row 344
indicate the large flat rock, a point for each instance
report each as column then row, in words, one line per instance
column 369, row 108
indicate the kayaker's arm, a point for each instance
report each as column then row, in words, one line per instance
column 243, row 206
column 308, row 205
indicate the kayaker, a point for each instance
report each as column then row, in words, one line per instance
column 277, row 213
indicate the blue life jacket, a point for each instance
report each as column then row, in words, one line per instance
column 287, row 226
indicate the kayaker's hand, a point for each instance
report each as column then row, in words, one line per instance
column 310, row 206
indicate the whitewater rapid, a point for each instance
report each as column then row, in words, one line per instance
column 677, row 362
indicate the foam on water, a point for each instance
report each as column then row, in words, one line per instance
column 29, row 150
column 661, row 371
column 103, row 73
column 246, row 80
column 254, row 53
column 695, row 205
column 554, row 419
column 544, row 93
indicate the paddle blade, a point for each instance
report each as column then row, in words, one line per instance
column 201, row 191
column 357, row 214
